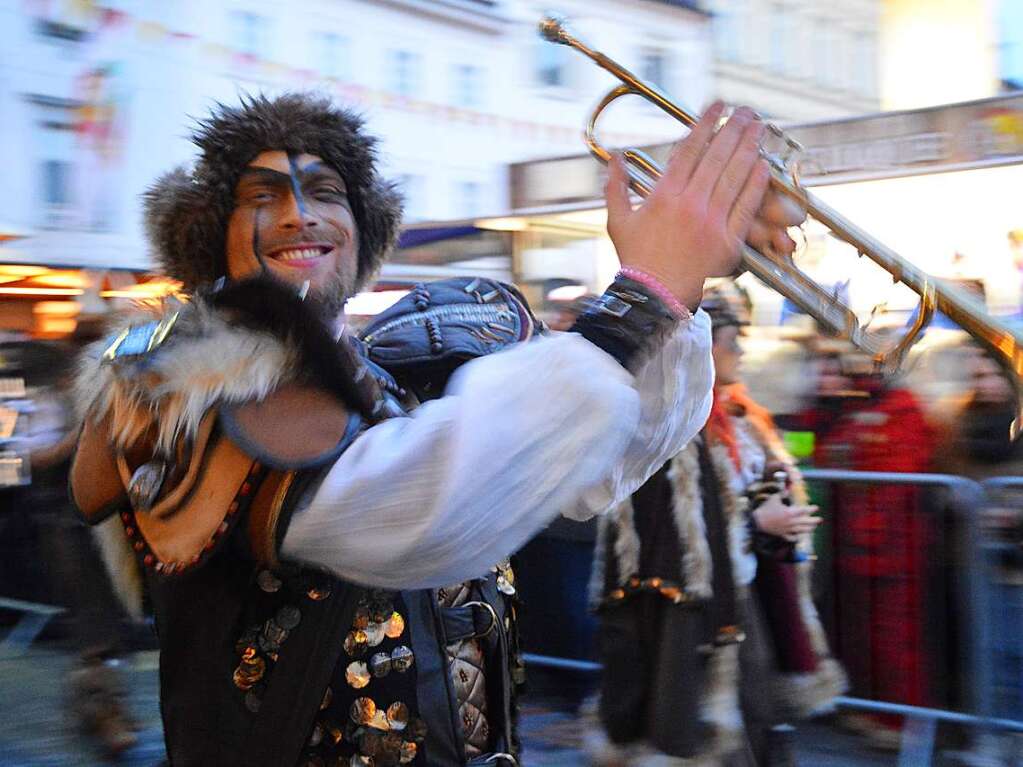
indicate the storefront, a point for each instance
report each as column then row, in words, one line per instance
column 941, row 186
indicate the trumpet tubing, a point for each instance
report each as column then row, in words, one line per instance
column 1003, row 342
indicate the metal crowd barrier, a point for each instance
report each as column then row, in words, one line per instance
column 967, row 499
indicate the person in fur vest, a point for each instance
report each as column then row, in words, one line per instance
column 298, row 519
column 696, row 672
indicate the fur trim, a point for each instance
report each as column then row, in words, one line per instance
column 206, row 359
column 735, row 509
column 121, row 564
column 626, row 541
column 805, row 695
column 720, row 706
column 626, row 550
column 187, row 212
column 232, row 346
column 697, row 564
column 719, row 709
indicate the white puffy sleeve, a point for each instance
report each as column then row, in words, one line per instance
column 520, row 436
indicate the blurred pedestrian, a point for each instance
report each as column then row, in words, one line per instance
column 867, row 422
column 94, row 691
column 693, row 671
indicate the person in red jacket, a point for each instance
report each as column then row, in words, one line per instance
column 865, row 422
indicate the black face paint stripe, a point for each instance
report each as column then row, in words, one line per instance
column 255, row 242
column 296, row 187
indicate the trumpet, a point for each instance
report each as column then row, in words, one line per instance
column 779, row 272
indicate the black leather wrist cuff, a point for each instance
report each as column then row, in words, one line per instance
column 627, row 321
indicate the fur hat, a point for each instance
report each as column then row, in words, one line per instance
column 186, row 213
column 727, row 306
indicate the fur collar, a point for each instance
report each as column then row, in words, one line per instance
column 232, row 346
column 687, row 510
column 205, row 360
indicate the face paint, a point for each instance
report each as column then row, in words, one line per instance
column 264, row 270
column 296, row 187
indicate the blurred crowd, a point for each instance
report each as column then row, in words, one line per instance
column 892, row 560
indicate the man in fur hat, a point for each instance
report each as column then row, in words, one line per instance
column 296, row 527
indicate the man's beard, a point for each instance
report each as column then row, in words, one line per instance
column 331, row 298
column 328, row 301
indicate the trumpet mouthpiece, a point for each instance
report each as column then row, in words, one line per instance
column 552, row 28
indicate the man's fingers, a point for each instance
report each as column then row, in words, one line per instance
column 687, row 152
column 719, row 152
column 619, row 206
column 749, row 200
column 738, row 168
column 781, row 210
column 760, row 235
column 769, row 239
column 783, row 243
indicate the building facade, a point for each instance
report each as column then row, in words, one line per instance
column 96, row 96
column 798, row 60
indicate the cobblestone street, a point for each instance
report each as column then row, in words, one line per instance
column 35, row 730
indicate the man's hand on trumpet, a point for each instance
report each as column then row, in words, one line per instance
column 713, row 196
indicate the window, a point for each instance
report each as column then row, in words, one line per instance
column 653, row 66
column 56, row 152
column 740, row 30
column 56, row 193
column 551, row 65
column 864, row 65
column 250, row 33
column 837, row 75
column 333, row 52
column 468, row 197
column 414, row 190
column 467, row 86
column 822, row 39
column 724, row 32
column 781, row 42
column 404, row 73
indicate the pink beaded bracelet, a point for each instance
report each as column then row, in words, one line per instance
column 678, row 309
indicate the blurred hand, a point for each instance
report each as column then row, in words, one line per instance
column 788, row 522
column 768, row 232
column 693, row 224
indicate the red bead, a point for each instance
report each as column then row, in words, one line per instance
column 233, row 507
column 139, row 545
column 130, row 532
column 209, row 545
column 246, row 488
column 125, row 517
column 148, row 560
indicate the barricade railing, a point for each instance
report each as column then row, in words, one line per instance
column 967, row 500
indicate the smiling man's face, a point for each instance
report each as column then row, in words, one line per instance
column 292, row 221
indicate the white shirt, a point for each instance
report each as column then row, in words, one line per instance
column 554, row 425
